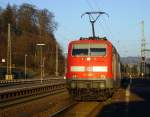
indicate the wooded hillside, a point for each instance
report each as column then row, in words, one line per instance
column 30, row 26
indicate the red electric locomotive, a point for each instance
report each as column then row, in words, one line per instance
column 93, row 68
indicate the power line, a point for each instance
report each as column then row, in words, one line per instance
column 103, row 19
column 96, row 3
column 102, row 27
column 106, row 27
column 89, row 4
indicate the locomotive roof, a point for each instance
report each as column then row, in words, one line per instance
column 92, row 39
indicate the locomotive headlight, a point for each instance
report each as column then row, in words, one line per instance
column 102, row 85
column 77, row 68
column 74, row 76
column 100, row 68
column 102, row 76
column 88, row 59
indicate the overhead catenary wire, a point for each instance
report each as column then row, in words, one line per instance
column 105, row 27
column 108, row 28
column 96, row 3
column 93, row 9
column 90, row 5
column 103, row 19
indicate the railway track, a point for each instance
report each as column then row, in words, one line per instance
column 59, row 112
column 81, row 109
column 61, row 104
column 91, row 108
column 11, row 96
column 6, row 83
column 41, row 107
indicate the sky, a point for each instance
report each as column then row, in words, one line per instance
column 122, row 27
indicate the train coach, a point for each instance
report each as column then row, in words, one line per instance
column 93, row 68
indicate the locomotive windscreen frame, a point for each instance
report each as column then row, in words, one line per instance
column 88, row 49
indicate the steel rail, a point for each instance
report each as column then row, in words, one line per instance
column 5, row 83
column 9, row 96
column 63, row 109
column 74, row 109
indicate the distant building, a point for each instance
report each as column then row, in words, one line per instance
column 133, row 66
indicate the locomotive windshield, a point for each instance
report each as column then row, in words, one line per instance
column 89, row 49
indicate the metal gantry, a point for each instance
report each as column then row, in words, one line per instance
column 143, row 41
column 143, row 51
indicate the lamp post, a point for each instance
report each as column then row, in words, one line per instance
column 41, row 58
column 25, row 66
column 56, row 65
column 65, row 54
column 9, row 75
column 65, row 62
column 43, row 66
column 3, row 61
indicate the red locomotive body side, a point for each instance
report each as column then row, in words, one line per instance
column 93, row 66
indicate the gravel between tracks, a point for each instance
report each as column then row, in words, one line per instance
column 43, row 107
column 83, row 109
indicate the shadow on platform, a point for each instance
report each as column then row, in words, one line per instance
column 131, row 108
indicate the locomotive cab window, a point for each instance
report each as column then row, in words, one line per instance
column 80, row 52
column 98, row 51
column 88, row 49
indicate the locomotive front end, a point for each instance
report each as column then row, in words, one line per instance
column 89, row 68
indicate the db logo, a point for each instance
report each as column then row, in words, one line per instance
column 89, row 68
